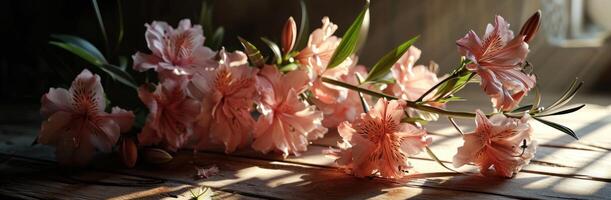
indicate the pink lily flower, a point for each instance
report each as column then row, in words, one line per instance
column 501, row 143
column 315, row 57
column 172, row 114
column 175, row 52
column 227, row 95
column 76, row 123
column 348, row 109
column 377, row 142
column 412, row 81
column 497, row 61
column 287, row 123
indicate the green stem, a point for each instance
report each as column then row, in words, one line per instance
column 411, row 104
column 454, row 74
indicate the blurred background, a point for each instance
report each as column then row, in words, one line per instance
column 573, row 41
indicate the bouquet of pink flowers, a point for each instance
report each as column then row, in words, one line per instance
column 200, row 98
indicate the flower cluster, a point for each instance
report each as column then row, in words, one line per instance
column 208, row 98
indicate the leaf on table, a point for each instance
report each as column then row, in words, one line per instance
column 559, row 127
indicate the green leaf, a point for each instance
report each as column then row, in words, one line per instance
column 81, row 48
column 451, row 98
column 453, row 84
column 205, row 18
column 364, row 32
column 559, row 127
column 121, row 24
column 567, row 111
column 89, row 53
column 216, row 41
column 566, row 97
column 523, row 108
column 357, row 88
column 254, row 55
column 119, row 75
column 349, row 41
column 123, row 62
column 98, row 15
column 302, row 38
column 382, row 67
column 275, row 49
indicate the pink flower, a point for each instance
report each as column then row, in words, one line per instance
column 378, row 142
column 499, row 142
column 497, row 61
column 227, row 96
column 412, row 81
column 315, row 57
column 77, row 123
column 348, row 109
column 174, row 51
column 172, row 114
column 286, row 123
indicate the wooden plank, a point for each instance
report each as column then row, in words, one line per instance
column 33, row 179
column 265, row 178
column 536, row 182
column 248, row 173
column 577, row 163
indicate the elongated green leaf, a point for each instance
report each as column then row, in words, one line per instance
column 119, row 75
column 566, row 111
column 567, row 96
column 80, row 47
column 79, row 52
column 89, row 53
column 364, row 32
column 205, row 18
column 216, row 41
column 523, row 108
column 537, row 99
column 349, row 41
column 357, row 88
column 382, row 67
column 123, row 62
column 121, row 24
column 98, row 15
column 453, row 84
column 451, row 98
column 254, row 55
column 562, row 128
column 302, row 39
column 275, row 49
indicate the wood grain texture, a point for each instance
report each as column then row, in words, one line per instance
column 25, row 178
column 559, row 171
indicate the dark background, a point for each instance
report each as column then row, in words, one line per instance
column 29, row 65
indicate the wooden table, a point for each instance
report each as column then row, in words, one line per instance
column 562, row 169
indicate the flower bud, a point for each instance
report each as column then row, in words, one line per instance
column 128, row 152
column 156, row 156
column 531, row 26
column 289, row 35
